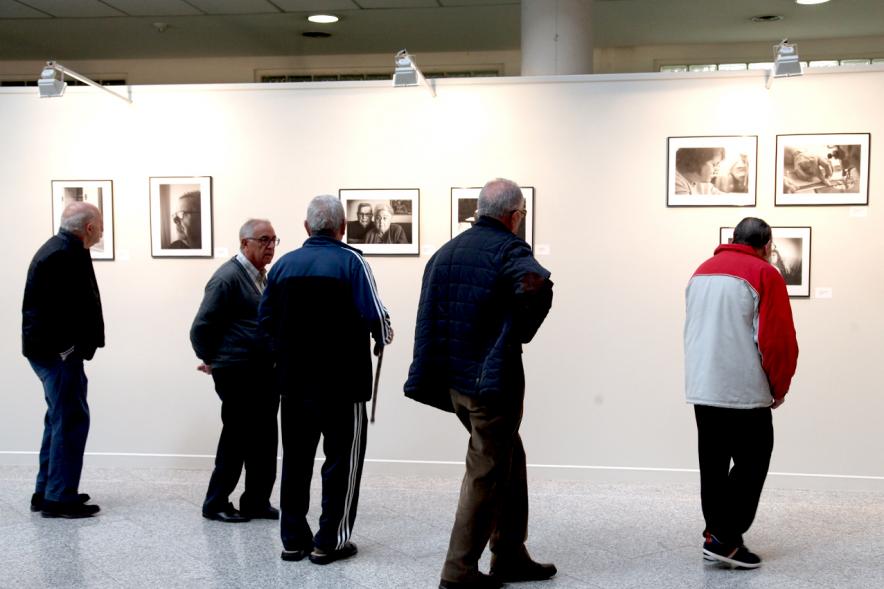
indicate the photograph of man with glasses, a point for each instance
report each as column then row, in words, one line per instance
column 187, row 221
column 357, row 230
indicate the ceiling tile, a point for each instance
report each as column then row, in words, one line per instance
column 398, row 3
column 11, row 9
column 154, row 7
column 315, row 5
column 235, row 6
column 74, row 8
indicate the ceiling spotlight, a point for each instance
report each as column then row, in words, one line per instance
column 407, row 73
column 786, row 62
column 323, row 19
column 51, row 83
column 811, row 1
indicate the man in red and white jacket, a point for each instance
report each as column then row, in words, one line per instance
column 740, row 356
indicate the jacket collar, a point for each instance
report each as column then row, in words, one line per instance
column 69, row 238
column 486, row 221
column 738, row 248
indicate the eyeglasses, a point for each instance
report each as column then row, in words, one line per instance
column 265, row 241
column 179, row 215
column 523, row 211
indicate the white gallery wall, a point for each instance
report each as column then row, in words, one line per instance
column 604, row 374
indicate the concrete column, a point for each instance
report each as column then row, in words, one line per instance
column 556, row 37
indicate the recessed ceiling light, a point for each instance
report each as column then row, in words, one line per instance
column 323, row 19
column 811, row 1
column 767, row 18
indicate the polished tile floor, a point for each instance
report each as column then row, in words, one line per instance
column 633, row 535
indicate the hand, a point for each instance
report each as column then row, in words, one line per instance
column 204, row 368
column 777, row 402
column 377, row 349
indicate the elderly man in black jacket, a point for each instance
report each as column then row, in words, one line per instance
column 56, row 338
column 225, row 336
column 483, row 296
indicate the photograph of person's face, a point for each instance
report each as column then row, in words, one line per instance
column 363, row 215
column 187, row 219
column 709, row 169
column 181, row 216
column 382, row 221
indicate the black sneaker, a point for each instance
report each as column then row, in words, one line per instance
column 737, row 557
column 320, row 556
column 295, row 555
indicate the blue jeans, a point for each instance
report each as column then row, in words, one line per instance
column 65, row 426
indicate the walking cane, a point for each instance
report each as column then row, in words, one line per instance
column 377, row 378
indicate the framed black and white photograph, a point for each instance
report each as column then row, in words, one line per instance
column 382, row 221
column 712, row 171
column 790, row 255
column 181, row 217
column 822, row 169
column 464, row 202
column 95, row 192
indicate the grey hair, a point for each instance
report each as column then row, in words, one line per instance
column 325, row 215
column 77, row 215
column 500, row 197
column 384, row 207
column 248, row 228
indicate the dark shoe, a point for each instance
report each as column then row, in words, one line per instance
column 295, row 555
column 37, row 501
column 67, row 510
column 268, row 512
column 228, row 515
column 737, row 557
column 516, row 571
column 320, row 556
column 483, row 581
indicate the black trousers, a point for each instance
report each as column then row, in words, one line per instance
column 249, row 404
column 342, row 426
column 493, row 504
column 730, row 494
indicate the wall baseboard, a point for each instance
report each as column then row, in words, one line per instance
column 600, row 474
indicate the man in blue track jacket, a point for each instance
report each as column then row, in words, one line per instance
column 319, row 307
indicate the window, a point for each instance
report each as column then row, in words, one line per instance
column 766, row 65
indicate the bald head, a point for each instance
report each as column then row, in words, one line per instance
column 83, row 220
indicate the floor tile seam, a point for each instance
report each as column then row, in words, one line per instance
column 408, row 557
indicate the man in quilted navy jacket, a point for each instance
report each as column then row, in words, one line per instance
column 483, row 296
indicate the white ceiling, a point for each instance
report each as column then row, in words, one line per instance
column 97, row 29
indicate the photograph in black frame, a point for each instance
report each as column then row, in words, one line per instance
column 181, row 217
column 464, row 202
column 822, row 169
column 382, row 221
column 96, row 192
column 790, row 255
column 713, row 171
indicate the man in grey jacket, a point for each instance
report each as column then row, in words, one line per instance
column 226, row 337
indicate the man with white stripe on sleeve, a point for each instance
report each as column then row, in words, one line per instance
column 319, row 308
column 740, row 356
